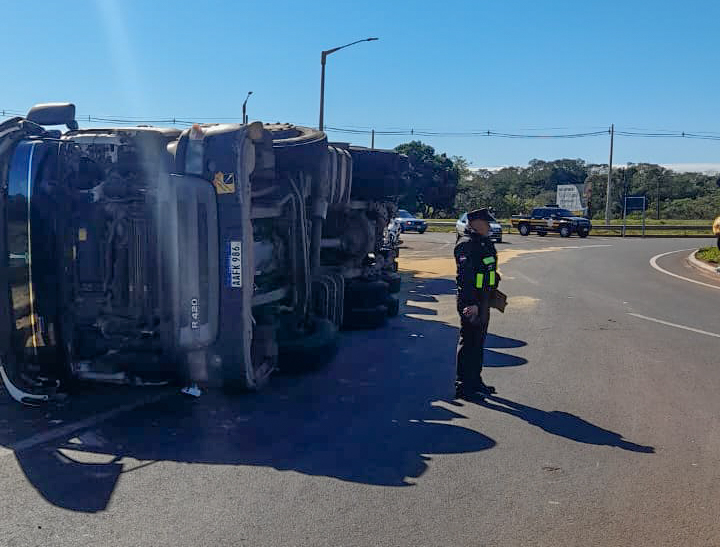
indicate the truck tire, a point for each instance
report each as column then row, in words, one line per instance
column 583, row 233
column 365, row 294
column 394, row 282
column 312, row 351
column 565, row 231
column 524, row 229
column 365, row 318
column 297, row 147
column 285, row 135
column 393, row 306
column 421, row 230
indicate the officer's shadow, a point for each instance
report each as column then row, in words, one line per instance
column 563, row 424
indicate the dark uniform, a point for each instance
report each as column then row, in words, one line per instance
column 476, row 260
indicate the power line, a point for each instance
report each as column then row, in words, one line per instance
column 366, row 130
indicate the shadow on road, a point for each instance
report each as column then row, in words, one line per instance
column 495, row 359
column 369, row 418
column 427, row 290
column 502, row 342
column 563, row 424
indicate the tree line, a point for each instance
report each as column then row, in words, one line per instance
column 445, row 187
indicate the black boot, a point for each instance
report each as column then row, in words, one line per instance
column 484, row 389
column 461, row 392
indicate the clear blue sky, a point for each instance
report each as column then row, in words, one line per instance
column 501, row 65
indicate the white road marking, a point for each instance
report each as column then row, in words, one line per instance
column 654, row 264
column 667, row 323
column 67, row 430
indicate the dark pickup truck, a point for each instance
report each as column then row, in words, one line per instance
column 551, row 219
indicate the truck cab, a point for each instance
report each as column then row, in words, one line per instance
column 145, row 255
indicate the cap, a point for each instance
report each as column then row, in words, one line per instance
column 480, row 214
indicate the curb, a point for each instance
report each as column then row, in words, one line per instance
column 698, row 264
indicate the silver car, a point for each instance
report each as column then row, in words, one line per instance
column 495, row 228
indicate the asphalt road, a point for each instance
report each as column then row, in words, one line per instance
column 605, row 429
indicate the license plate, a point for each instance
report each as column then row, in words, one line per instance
column 235, row 264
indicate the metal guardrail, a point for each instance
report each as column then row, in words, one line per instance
column 652, row 227
column 705, row 228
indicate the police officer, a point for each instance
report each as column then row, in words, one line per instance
column 476, row 260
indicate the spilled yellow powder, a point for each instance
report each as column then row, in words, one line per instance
column 445, row 266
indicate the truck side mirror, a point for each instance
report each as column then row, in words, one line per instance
column 53, row 114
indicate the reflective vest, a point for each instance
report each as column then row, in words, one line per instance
column 487, row 279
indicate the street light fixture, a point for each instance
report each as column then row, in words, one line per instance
column 244, row 115
column 323, row 56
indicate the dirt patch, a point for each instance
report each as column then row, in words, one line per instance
column 426, row 268
column 522, row 302
column 445, row 267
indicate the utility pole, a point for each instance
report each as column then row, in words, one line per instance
column 609, row 184
column 372, row 141
column 624, row 201
column 657, row 196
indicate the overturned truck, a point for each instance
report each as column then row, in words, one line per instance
column 210, row 256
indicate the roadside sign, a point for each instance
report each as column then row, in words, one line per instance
column 569, row 196
column 634, row 203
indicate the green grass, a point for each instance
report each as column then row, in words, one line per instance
column 654, row 222
column 709, row 254
column 444, row 229
column 648, row 221
column 596, row 232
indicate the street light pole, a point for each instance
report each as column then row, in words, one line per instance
column 244, row 115
column 322, row 90
column 323, row 57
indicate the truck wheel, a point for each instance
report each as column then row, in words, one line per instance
column 365, row 294
column 565, row 231
column 312, row 351
column 524, row 229
column 297, row 147
column 393, row 306
column 394, row 282
column 583, row 233
column 421, row 230
column 365, row 318
column 285, row 135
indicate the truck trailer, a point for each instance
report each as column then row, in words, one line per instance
column 210, row 256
